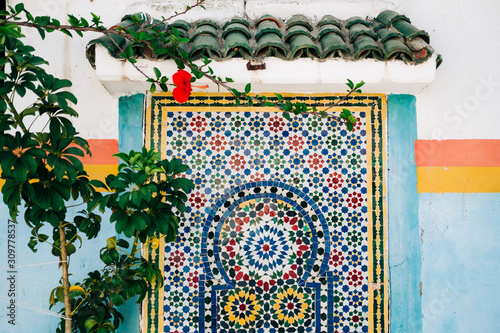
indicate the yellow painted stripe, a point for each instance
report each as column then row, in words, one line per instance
column 95, row 171
column 458, row 179
column 100, row 171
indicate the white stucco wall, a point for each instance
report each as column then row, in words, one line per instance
column 460, row 103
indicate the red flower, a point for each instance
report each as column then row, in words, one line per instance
column 182, row 80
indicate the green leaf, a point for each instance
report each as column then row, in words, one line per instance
column 121, row 220
column 360, row 84
column 60, row 294
column 122, row 243
column 56, row 22
column 59, row 169
column 136, row 198
column 67, row 95
column 98, row 183
column 124, row 200
column 67, row 32
column 180, row 169
column 123, row 156
column 3, row 104
column 236, row 92
column 32, row 244
column 42, row 20
column 29, row 111
column 29, row 162
column 20, row 90
column 41, row 32
column 20, row 172
column 129, row 51
column 28, row 190
column 89, row 323
column 73, row 151
column 248, row 87
column 55, row 128
column 19, row 7
column 129, row 230
column 56, row 201
column 117, row 299
column 157, row 72
column 61, row 84
column 175, row 32
column 70, row 248
column 111, row 243
column 161, row 51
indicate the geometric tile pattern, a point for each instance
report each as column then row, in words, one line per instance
column 285, row 229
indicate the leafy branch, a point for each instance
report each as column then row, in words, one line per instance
column 149, row 35
column 42, row 171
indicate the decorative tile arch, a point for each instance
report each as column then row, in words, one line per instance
column 317, row 263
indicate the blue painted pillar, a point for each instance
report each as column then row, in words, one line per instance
column 130, row 137
column 130, row 131
column 405, row 258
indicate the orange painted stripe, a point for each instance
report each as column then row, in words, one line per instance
column 102, row 151
column 457, row 153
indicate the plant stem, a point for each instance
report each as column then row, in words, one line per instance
column 188, row 8
column 17, row 116
column 65, row 277
column 70, row 27
column 276, row 105
column 134, row 246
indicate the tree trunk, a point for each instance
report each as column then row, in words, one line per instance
column 65, row 277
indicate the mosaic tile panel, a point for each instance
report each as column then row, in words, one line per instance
column 285, row 228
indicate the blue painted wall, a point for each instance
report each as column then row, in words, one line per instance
column 448, row 242
column 460, row 262
column 35, row 283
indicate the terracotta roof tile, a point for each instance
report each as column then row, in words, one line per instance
column 390, row 36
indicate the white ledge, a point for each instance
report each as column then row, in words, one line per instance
column 298, row 76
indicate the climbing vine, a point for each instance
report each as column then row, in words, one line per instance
column 44, row 175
